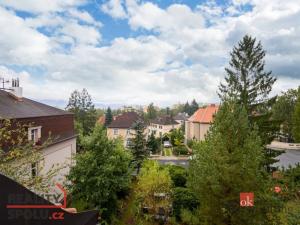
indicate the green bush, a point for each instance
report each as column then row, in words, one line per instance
column 183, row 199
column 180, row 150
column 178, row 175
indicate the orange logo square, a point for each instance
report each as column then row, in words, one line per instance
column 247, row 199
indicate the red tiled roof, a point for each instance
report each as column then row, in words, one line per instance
column 204, row 115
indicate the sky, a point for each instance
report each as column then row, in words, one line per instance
column 133, row 52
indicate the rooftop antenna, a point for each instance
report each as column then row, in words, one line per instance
column 3, row 81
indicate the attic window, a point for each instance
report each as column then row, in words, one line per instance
column 34, row 134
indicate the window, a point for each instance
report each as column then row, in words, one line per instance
column 128, row 142
column 160, row 127
column 115, row 131
column 128, row 131
column 34, row 169
column 34, row 134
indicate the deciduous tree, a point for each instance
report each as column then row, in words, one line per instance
column 80, row 103
column 296, row 121
column 101, row 172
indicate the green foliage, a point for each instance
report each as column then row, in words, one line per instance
column 194, row 107
column 186, row 108
column 180, row 150
column 138, row 143
column 190, row 217
column 283, row 110
column 246, row 79
column 176, row 137
column 101, row 172
column 151, row 112
column 296, row 121
column 80, row 103
column 183, row 198
column 17, row 155
column 291, row 213
column 108, row 117
column 152, row 182
column 178, row 175
column 153, row 144
column 190, row 108
column 227, row 163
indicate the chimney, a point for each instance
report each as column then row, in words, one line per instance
column 16, row 91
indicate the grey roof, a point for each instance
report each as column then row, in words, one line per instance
column 12, row 108
column 181, row 116
column 288, row 158
column 164, row 120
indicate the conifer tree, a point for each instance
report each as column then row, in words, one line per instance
column 138, row 144
column 187, row 108
column 108, row 117
column 247, row 81
column 246, row 78
column 228, row 163
column 193, row 107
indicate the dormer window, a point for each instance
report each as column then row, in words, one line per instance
column 34, row 134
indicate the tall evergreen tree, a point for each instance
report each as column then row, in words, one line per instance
column 228, row 163
column 246, row 78
column 296, row 121
column 194, row 107
column 108, row 117
column 247, row 81
column 187, row 108
column 138, row 144
column 80, row 103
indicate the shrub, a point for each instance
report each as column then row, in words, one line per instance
column 183, row 199
column 178, row 175
column 180, row 150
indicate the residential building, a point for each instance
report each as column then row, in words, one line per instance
column 44, row 123
column 181, row 118
column 162, row 125
column 121, row 127
column 198, row 124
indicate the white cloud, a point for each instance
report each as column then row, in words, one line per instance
column 20, row 44
column 114, row 8
column 38, row 6
column 183, row 57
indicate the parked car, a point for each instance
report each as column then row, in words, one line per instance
column 167, row 144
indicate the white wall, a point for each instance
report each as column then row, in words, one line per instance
column 58, row 155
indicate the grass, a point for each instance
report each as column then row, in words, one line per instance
column 167, row 152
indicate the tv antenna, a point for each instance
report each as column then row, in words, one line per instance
column 3, row 81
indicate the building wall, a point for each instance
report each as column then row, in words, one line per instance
column 160, row 130
column 123, row 133
column 195, row 130
column 57, row 155
column 56, row 126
